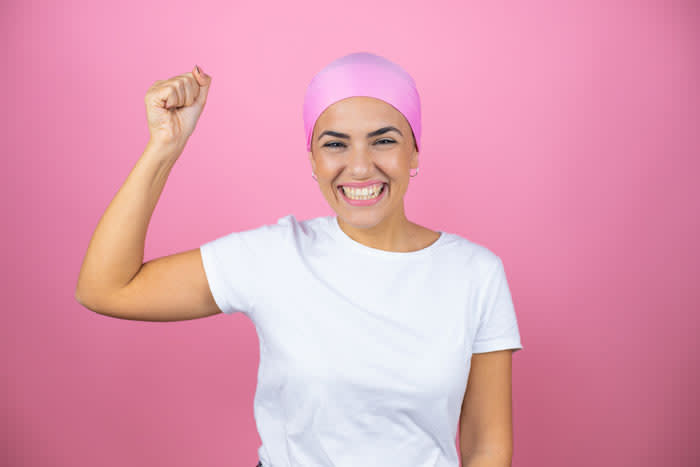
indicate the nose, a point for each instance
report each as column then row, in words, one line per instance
column 360, row 162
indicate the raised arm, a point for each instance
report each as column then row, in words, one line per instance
column 113, row 279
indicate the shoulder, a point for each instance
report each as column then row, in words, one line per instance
column 289, row 233
column 291, row 225
column 473, row 255
column 285, row 224
column 267, row 234
column 272, row 241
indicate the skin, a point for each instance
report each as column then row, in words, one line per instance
column 388, row 157
column 486, row 417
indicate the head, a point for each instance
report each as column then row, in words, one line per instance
column 363, row 139
column 362, row 122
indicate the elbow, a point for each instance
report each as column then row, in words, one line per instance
column 82, row 302
column 85, row 302
column 79, row 291
column 78, row 297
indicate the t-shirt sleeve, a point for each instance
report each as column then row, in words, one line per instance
column 498, row 324
column 233, row 265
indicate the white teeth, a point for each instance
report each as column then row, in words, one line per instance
column 363, row 193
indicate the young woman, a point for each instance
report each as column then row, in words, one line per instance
column 370, row 325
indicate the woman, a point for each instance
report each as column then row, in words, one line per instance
column 369, row 324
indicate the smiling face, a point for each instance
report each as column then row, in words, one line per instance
column 359, row 140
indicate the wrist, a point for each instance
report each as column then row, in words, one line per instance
column 164, row 150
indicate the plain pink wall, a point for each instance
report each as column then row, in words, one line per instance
column 561, row 135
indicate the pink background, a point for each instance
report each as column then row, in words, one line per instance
column 564, row 136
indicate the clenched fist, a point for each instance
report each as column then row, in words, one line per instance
column 174, row 105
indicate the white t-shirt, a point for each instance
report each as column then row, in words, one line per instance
column 364, row 353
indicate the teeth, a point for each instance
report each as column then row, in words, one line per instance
column 363, row 193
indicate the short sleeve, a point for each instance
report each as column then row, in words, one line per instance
column 498, row 324
column 233, row 264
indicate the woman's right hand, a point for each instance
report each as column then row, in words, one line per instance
column 174, row 105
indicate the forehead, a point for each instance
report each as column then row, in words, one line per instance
column 360, row 111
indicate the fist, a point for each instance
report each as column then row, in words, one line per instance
column 173, row 106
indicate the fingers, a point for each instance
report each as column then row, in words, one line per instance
column 204, row 81
column 178, row 88
column 164, row 95
column 182, row 90
column 189, row 88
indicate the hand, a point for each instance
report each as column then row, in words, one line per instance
column 173, row 107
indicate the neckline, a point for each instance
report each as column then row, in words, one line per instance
column 346, row 239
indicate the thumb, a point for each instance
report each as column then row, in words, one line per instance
column 204, row 81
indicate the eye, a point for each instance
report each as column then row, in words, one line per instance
column 337, row 144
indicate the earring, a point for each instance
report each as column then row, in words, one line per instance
column 409, row 173
column 313, row 175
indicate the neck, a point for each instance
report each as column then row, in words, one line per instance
column 394, row 233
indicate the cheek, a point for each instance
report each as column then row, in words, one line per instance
column 393, row 164
column 328, row 165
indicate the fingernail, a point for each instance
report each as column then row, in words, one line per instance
column 198, row 71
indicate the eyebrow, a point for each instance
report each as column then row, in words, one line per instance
column 378, row 132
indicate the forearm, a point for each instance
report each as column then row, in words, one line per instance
column 115, row 252
column 486, row 460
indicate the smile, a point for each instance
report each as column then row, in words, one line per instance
column 363, row 196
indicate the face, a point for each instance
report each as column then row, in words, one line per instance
column 347, row 147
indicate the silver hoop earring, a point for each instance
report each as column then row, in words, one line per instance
column 314, row 176
column 409, row 172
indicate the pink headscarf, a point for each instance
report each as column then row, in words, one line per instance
column 362, row 74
